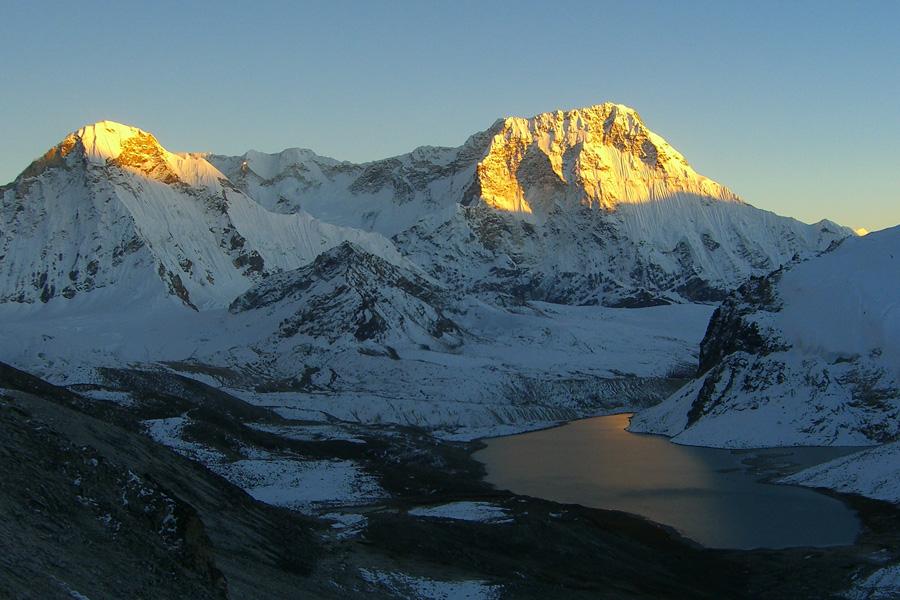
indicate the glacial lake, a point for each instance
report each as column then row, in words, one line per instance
column 709, row 495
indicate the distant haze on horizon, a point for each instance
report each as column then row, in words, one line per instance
column 791, row 105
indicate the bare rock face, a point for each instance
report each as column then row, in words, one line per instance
column 730, row 332
column 352, row 294
column 143, row 153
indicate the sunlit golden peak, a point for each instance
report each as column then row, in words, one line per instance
column 604, row 110
column 111, row 144
column 104, row 140
column 599, row 156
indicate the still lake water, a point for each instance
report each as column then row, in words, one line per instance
column 707, row 494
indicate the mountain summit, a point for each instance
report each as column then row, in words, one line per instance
column 106, row 140
column 108, row 212
column 427, row 278
column 582, row 206
column 600, row 156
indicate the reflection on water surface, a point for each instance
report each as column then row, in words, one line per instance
column 708, row 494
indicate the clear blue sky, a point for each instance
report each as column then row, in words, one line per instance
column 794, row 105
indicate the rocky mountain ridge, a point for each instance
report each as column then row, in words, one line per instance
column 584, row 206
column 385, row 280
column 805, row 356
column 109, row 207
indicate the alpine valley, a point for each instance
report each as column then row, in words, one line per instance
column 265, row 374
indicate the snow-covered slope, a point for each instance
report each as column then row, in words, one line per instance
column 412, row 289
column 531, row 367
column 109, row 207
column 582, row 206
column 809, row 355
column 349, row 294
column 874, row 473
column 387, row 196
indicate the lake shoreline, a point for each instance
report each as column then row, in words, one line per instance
column 790, row 573
column 720, row 498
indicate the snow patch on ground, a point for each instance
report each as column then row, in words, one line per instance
column 482, row 512
column 116, row 397
column 347, row 525
column 874, row 473
column 303, row 485
column 292, row 482
column 168, row 432
column 883, row 584
column 407, row 586
column 313, row 432
column 467, row 434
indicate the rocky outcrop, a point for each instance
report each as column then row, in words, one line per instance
column 805, row 356
column 347, row 293
column 730, row 332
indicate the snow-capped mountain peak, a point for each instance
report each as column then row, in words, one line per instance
column 578, row 206
column 110, row 207
column 581, row 206
column 600, row 156
column 107, row 143
column 106, row 140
